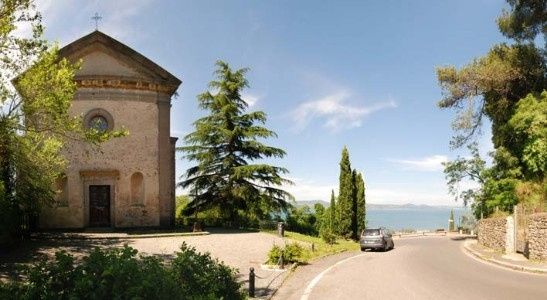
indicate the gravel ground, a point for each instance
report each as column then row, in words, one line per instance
column 239, row 249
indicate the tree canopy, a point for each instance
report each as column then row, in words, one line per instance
column 507, row 86
column 350, row 208
column 227, row 147
column 36, row 90
column 344, row 206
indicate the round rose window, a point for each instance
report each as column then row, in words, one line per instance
column 98, row 123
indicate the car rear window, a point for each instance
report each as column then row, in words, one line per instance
column 372, row 232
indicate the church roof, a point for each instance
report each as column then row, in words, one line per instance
column 97, row 39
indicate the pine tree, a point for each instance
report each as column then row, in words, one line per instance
column 361, row 202
column 345, row 205
column 225, row 145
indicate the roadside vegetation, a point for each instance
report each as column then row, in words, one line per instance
column 508, row 87
column 312, row 247
column 346, row 215
column 122, row 274
column 229, row 186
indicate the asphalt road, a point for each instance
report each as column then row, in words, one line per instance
column 418, row 268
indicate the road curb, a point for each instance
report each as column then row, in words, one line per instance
column 290, row 271
column 502, row 264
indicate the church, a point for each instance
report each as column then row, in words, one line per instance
column 127, row 181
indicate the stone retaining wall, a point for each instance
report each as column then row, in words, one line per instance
column 492, row 233
column 537, row 236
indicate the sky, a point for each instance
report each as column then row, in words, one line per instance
column 329, row 74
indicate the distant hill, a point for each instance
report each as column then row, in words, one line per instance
column 373, row 206
column 408, row 206
column 311, row 203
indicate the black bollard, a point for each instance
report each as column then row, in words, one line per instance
column 281, row 262
column 252, row 282
column 281, row 229
column 312, row 247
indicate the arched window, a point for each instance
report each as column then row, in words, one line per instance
column 99, row 119
column 137, row 188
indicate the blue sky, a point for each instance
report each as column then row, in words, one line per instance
column 327, row 73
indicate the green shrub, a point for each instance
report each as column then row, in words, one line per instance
column 200, row 274
column 499, row 214
column 291, row 253
column 302, row 220
column 328, row 236
column 274, row 254
column 120, row 274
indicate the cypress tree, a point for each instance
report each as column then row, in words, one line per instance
column 361, row 202
column 345, row 205
column 332, row 212
column 354, row 214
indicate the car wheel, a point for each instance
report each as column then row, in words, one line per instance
column 363, row 249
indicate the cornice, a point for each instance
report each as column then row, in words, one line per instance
column 124, row 83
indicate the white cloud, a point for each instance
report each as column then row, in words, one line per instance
column 304, row 190
column 335, row 111
column 396, row 193
column 72, row 19
column 118, row 14
column 428, row 164
column 24, row 29
column 251, row 99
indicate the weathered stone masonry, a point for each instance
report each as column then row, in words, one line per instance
column 537, row 236
column 492, row 233
column 128, row 181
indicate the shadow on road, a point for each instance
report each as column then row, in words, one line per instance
column 463, row 237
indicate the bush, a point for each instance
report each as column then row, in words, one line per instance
column 328, row 236
column 120, row 274
column 302, row 220
column 291, row 253
column 199, row 275
column 499, row 214
column 275, row 253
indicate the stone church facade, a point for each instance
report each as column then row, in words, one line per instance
column 127, row 181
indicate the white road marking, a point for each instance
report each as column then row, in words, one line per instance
column 317, row 278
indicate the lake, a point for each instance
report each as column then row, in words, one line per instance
column 420, row 219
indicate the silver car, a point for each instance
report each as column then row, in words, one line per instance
column 379, row 238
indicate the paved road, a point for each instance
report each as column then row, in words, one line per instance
column 418, row 268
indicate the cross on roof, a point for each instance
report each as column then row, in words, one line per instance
column 96, row 18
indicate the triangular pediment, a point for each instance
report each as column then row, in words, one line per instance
column 100, row 63
column 101, row 55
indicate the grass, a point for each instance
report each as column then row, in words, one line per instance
column 320, row 247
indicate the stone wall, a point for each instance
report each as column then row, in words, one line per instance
column 492, row 233
column 537, row 236
column 510, row 235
